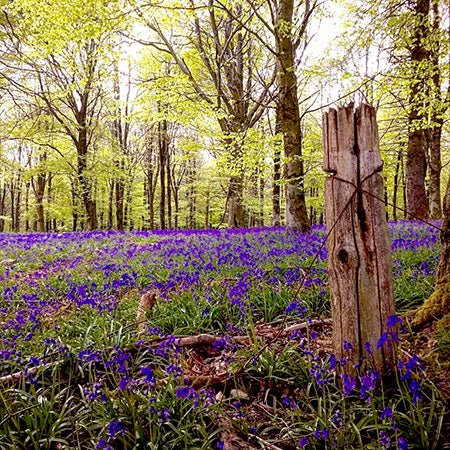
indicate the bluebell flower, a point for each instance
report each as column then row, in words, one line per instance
column 347, row 345
column 185, row 392
column 402, row 443
column 322, row 433
column 414, row 389
column 385, row 439
column 148, row 374
column 348, row 383
column 103, row 445
column 386, row 413
column 303, row 442
column 368, row 348
column 393, row 321
column 123, row 382
column 115, row 428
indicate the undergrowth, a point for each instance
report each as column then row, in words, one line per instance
column 78, row 373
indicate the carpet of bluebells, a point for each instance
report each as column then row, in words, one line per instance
column 77, row 372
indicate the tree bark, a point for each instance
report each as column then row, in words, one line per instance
column 236, row 217
column 162, row 141
column 192, row 197
column 438, row 109
column 289, row 117
column 396, row 184
column 438, row 304
column 3, row 191
column 120, row 195
column 416, row 163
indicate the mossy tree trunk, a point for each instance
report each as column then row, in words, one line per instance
column 438, row 304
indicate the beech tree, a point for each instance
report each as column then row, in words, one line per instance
column 223, row 71
column 287, row 40
column 67, row 64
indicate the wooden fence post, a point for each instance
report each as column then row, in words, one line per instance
column 359, row 246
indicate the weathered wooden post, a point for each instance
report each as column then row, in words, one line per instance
column 359, row 261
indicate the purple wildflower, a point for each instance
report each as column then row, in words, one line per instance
column 116, row 427
column 402, row 443
column 303, row 442
column 393, row 321
column 386, row 413
column 348, row 383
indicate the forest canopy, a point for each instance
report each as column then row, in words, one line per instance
column 207, row 113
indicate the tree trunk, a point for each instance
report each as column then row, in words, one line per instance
column 27, row 204
column 276, row 188
column 111, row 204
column 162, row 140
column 438, row 110
column 48, row 223
column 169, row 189
column 39, row 192
column 396, row 184
column 151, row 200
column 416, row 164
column 236, row 218
column 90, row 205
column 435, row 167
column 438, row 304
column 289, row 117
column 2, row 206
column 120, row 195
column 262, row 186
column 207, row 207
column 192, row 197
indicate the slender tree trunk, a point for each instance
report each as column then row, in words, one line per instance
column 289, row 117
column 151, row 200
column 39, row 185
column 435, row 167
column 169, row 190
column 192, row 197
column 404, row 188
column 3, row 191
column 396, row 184
column 120, row 196
column 129, row 219
column 162, row 138
column 48, row 224
column 27, row 205
column 16, row 217
column 262, row 186
column 416, row 163
column 176, row 200
column 438, row 110
column 276, row 188
column 207, row 207
column 111, row 204
column 12, row 204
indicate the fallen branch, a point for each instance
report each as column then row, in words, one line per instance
column 305, row 325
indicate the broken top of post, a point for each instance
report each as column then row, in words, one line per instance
column 359, row 261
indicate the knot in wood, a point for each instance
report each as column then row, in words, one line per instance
column 343, row 256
